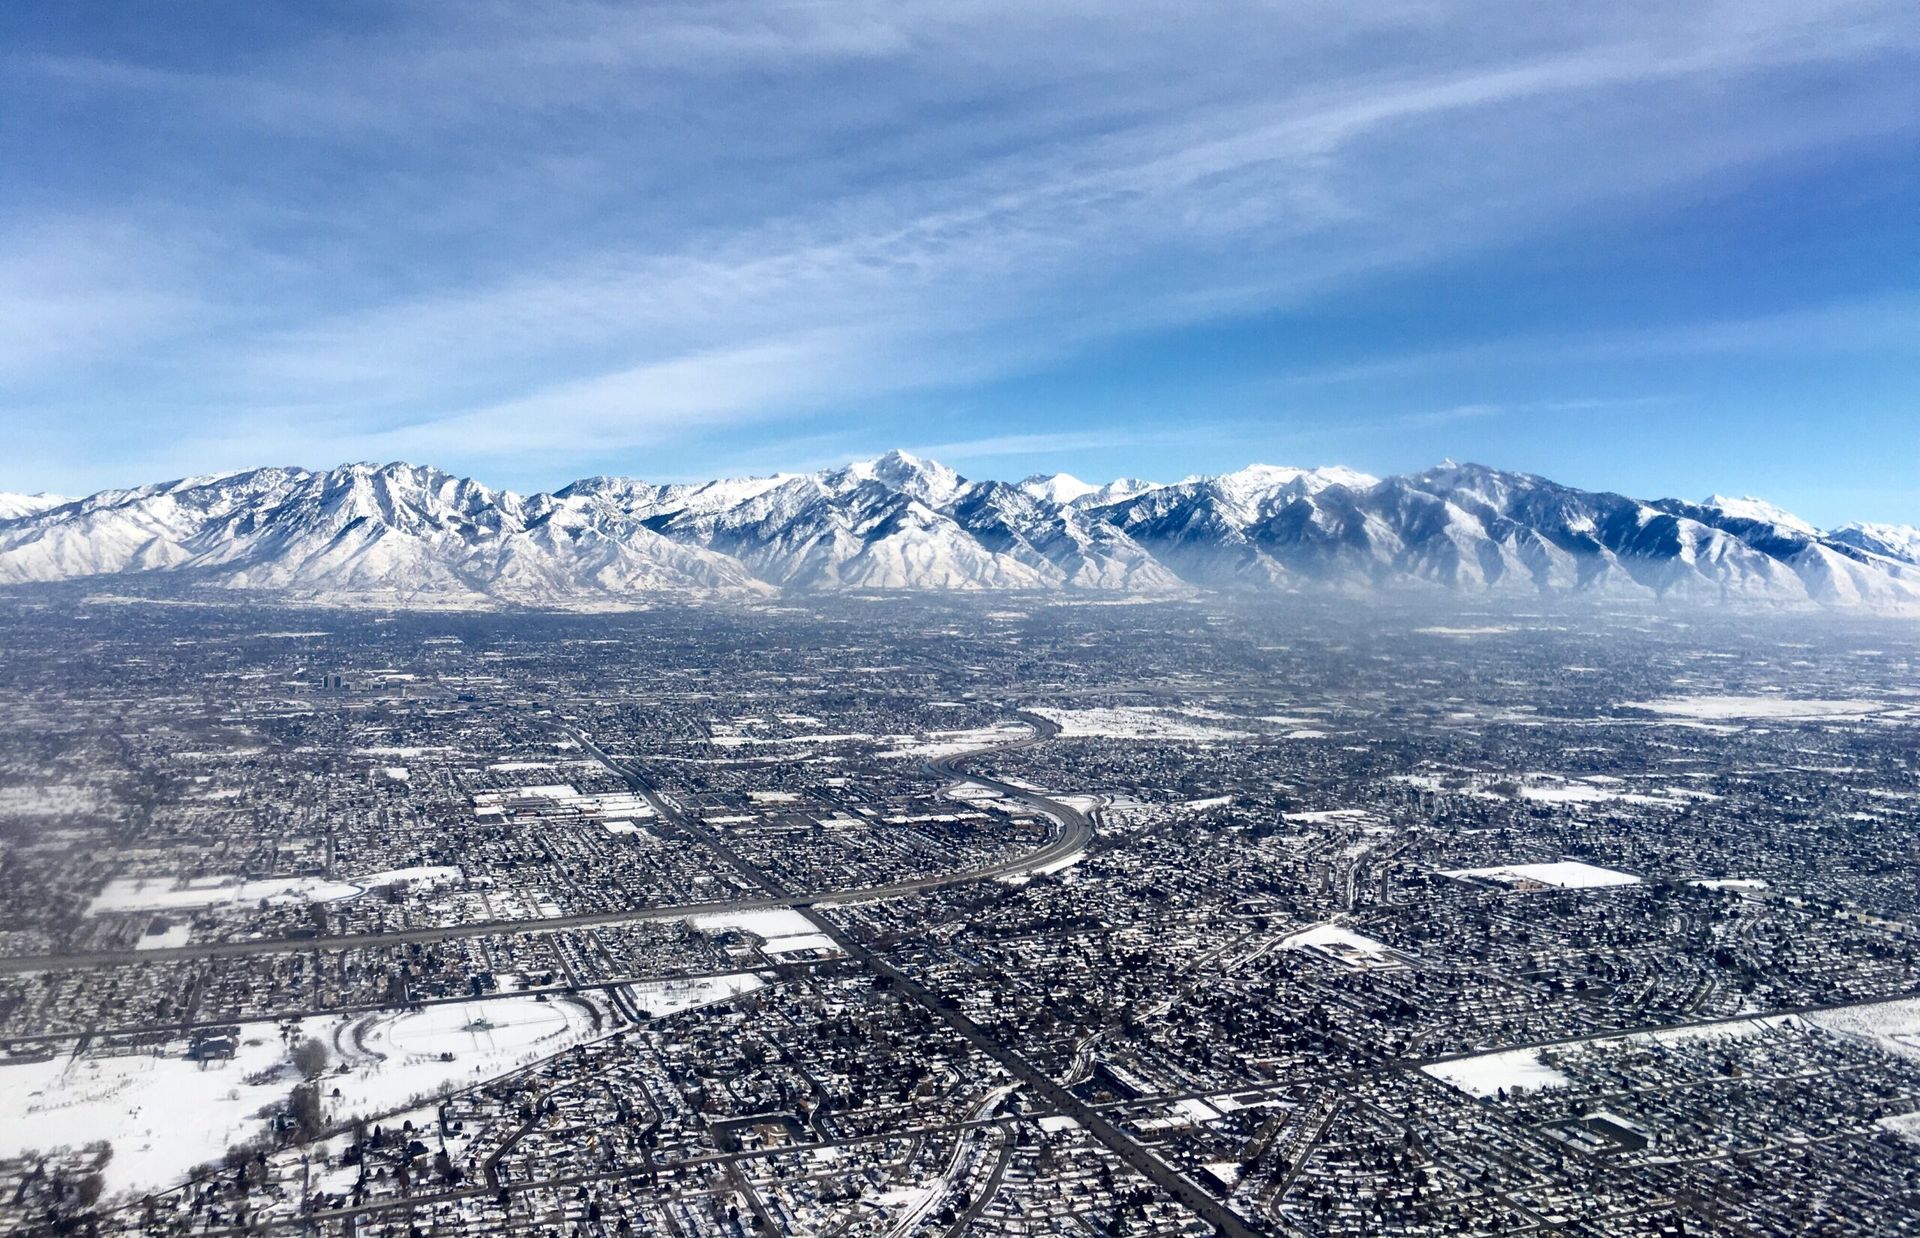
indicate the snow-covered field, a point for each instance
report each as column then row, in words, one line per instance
column 664, row 997
column 784, row 930
column 49, row 800
column 1893, row 1025
column 380, row 1062
column 1563, row 874
column 1487, row 1074
column 418, row 875
column 1134, row 722
column 128, row 894
column 937, row 744
column 179, row 894
column 137, row 1103
column 1746, row 707
column 1522, row 1069
column 1343, row 945
column 174, row 935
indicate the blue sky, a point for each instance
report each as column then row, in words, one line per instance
column 1663, row 248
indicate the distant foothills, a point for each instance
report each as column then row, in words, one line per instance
column 407, row 535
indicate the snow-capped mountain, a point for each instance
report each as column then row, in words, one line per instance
column 404, row 534
column 14, row 506
column 1894, row 541
column 360, row 531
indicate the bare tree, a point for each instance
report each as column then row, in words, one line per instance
column 310, row 1058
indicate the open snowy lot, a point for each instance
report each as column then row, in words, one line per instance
column 46, row 800
column 1781, row 708
column 936, row 744
column 1893, row 1025
column 1343, row 946
column 136, row 1103
column 1561, row 875
column 664, row 997
column 379, row 1062
column 1488, row 1073
column 181, row 894
column 1131, row 722
column 1485, row 1074
column 782, row 929
column 129, row 894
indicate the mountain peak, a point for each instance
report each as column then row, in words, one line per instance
column 1056, row 487
column 1757, row 510
column 1892, row 541
column 397, row 532
column 14, row 506
column 929, row 481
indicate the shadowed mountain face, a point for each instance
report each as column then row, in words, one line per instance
column 402, row 532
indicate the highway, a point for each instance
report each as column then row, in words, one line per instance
column 1074, row 834
column 1076, row 829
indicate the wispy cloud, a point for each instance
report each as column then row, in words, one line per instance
column 1877, row 324
column 485, row 232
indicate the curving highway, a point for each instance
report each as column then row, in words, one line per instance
column 1073, row 835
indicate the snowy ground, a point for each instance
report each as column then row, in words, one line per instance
column 180, row 894
column 937, row 744
column 1485, row 1075
column 1893, row 1025
column 782, row 929
column 665, row 997
column 128, row 894
column 48, row 800
column 1744, row 707
column 137, row 1103
column 1564, row 875
column 1523, row 1069
column 389, row 1058
column 1344, row 946
column 1128, row 722
column 418, row 874
column 175, row 935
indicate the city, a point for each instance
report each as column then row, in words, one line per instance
column 910, row 915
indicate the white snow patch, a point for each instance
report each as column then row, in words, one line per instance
column 1516, row 1070
column 176, row 893
column 664, row 997
column 1563, row 874
column 1343, row 945
column 1895, row 1025
column 1776, row 707
column 173, row 935
column 1135, row 722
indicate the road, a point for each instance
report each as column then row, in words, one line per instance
column 1076, row 830
column 1074, row 834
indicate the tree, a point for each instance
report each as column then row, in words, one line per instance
column 303, row 1107
column 310, row 1058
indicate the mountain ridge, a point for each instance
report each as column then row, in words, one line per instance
column 406, row 533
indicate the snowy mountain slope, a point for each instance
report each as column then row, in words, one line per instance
column 1830, row 569
column 14, row 506
column 1059, row 488
column 1892, row 541
column 401, row 533
column 358, row 530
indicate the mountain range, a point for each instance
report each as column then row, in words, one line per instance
column 404, row 534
